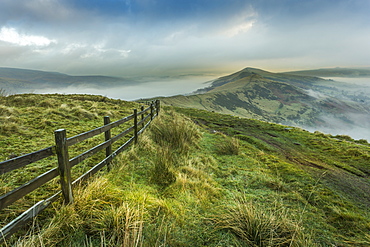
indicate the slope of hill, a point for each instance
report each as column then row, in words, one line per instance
column 282, row 98
column 23, row 80
column 301, row 81
column 206, row 179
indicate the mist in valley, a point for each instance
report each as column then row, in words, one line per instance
column 143, row 89
column 358, row 81
column 355, row 125
column 359, row 129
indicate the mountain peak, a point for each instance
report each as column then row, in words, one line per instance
column 248, row 71
column 256, row 70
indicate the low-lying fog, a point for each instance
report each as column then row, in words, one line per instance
column 360, row 128
column 363, row 81
column 187, row 84
column 141, row 90
column 354, row 85
column 355, row 132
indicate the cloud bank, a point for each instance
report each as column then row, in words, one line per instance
column 147, row 37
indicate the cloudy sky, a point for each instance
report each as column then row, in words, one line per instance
column 170, row 37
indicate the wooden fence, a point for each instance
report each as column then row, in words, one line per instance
column 65, row 164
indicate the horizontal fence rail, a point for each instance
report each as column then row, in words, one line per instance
column 63, row 171
column 81, row 137
column 21, row 161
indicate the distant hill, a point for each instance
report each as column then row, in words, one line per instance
column 300, row 81
column 24, row 80
column 334, row 72
column 285, row 98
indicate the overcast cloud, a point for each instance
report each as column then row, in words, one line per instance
column 169, row 37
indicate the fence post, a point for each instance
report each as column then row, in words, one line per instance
column 108, row 136
column 142, row 115
column 151, row 111
column 157, row 106
column 63, row 165
column 135, row 125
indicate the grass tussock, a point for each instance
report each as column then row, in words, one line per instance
column 75, row 112
column 8, row 128
column 228, row 146
column 99, row 217
column 203, row 190
column 162, row 172
column 7, row 111
column 192, row 179
column 256, row 226
column 178, row 132
column 146, row 144
column 83, row 113
column 173, row 136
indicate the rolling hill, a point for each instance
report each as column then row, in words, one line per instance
column 292, row 98
column 304, row 101
column 24, row 81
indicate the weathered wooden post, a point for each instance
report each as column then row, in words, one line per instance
column 135, row 125
column 151, row 111
column 63, row 165
column 142, row 116
column 157, row 106
column 108, row 136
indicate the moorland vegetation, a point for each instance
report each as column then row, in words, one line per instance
column 196, row 178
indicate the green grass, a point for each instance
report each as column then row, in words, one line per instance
column 175, row 132
column 256, row 226
column 227, row 145
column 228, row 182
column 28, row 123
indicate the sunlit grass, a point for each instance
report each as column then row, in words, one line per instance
column 283, row 187
column 228, row 146
column 257, row 226
column 175, row 131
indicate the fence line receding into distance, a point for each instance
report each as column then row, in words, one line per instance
column 60, row 150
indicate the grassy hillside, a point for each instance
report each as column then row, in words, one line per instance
column 304, row 82
column 199, row 178
column 281, row 99
column 28, row 122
